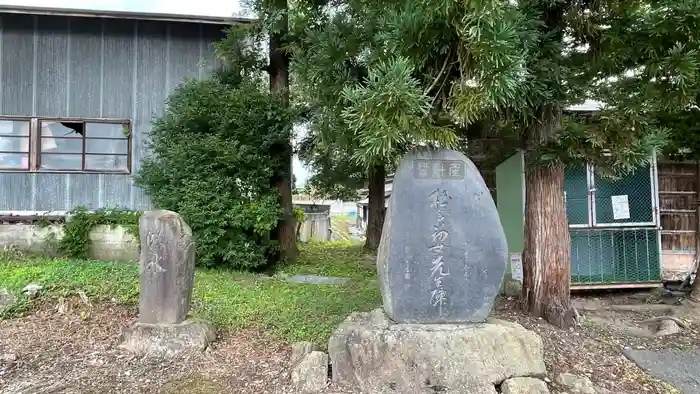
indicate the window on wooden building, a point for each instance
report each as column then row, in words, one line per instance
column 14, row 145
column 66, row 145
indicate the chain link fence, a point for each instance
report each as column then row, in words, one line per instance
column 614, row 255
column 621, row 201
column 613, row 234
column 632, row 191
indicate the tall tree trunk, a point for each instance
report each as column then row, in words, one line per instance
column 695, row 293
column 279, row 84
column 546, row 257
column 546, row 254
column 547, row 249
column 375, row 219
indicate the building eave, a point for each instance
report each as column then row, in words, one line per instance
column 68, row 12
column 586, row 106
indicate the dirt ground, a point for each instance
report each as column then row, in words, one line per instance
column 76, row 352
column 609, row 324
column 73, row 350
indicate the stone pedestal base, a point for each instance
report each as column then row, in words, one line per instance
column 167, row 340
column 369, row 353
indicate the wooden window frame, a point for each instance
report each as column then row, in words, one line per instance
column 35, row 139
column 29, row 144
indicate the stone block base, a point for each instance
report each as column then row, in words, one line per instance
column 167, row 340
column 369, row 353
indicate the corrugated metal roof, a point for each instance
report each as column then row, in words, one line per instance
column 586, row 106
column 27, row 10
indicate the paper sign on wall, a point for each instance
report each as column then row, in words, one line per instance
column 516, row 266
column 620, row 207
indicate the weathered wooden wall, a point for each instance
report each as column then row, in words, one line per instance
column 96, row 68
column 678, row 188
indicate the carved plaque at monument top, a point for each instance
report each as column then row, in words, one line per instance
column 443, row 252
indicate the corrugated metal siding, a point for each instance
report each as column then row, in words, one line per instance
column 98, row 68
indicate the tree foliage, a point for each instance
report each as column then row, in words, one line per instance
column 511, row 63
column 211, row 160
column 334, row 175
column 382, row 76
column 664, row 84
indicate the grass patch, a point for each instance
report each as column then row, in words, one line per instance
column 343, row 259
column 343, row 218
column 98, row 279
column 294, row 312
column 341, row 227
column 229, row 299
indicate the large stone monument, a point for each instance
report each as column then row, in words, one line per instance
column 443, row 252
column 441, row 262
column 167, row 279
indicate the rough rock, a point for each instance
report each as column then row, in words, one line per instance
column 31, row 290
column 7, row 300
column 370, row 353
column 300, row 350
column 524, row 386
column 311, row 374
column 667, row 327
column 576, row 384
column 167, row 340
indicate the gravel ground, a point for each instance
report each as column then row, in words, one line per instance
column 74, row 351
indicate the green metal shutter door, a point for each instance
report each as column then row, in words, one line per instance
column 576, row 189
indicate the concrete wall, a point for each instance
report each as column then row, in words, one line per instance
column 58, row 67
column 115, row 243
column 313, row 208
column 337, row 207
column 511, row 205
column 316, row 227
column 107, row 243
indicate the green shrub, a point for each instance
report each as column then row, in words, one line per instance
column 75, row 242
column 210, row 161
column 299, row 214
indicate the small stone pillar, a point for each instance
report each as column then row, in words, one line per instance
column 167, row 279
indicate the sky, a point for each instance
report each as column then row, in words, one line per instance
column 190, row 7
column 198, row 7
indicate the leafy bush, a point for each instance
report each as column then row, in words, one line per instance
column 210, row 162
column 75, row 242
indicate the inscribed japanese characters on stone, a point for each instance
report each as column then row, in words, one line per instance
column 167, row 268
column 443, row 252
